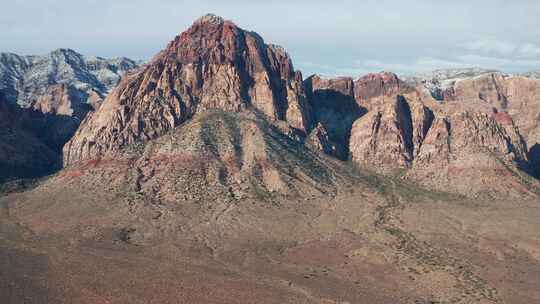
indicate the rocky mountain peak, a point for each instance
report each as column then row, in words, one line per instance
column 206, row 40
column 64, row 52
column 380, row 76
column 212, row 65
column 210, row 19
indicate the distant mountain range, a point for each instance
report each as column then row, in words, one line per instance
column 46, row 98
column 26, row 79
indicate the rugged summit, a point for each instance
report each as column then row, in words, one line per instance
column 214, row 64
column 375, row 85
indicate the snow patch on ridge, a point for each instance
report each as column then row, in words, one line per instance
column 438, row 81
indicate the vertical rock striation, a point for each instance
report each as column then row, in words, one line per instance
column 212, row 65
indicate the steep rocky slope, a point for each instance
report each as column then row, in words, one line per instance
column 44, row 99
column 384, row 138
column 22, row 153
column 467, row 146
column 338, row 102
column 63, row 85
column 474, row 153
column 215, row 156
column 371, row 89
column 214, row 64
column 334, row 108
column 483, row 90
column 445, row 147
column 26, row 79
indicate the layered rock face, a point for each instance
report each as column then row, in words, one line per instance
column 408, row 132
column 338, row 102
column 334, row 109
column 390, row 137
column 384, row 138
column 61, row 99
column 440, row 83
column 378, row 85
column 443, row 146
column 214, row 64
column 472, row 152
column 483, row 90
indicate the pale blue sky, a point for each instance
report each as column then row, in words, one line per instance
column 339, row 37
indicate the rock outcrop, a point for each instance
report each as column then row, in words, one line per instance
column 466, row 146
column 319, row 140
column 373, row 90
column 338, row 102
column 485, row 90
column 473, row 153
column 383, row 139
column 444, row 147
column 440, row 83
column 212, row 65
column 60, row 100
column 334, row 110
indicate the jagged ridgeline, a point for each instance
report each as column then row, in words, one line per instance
column 212, row 65
column 219, row 108
column 44, row 99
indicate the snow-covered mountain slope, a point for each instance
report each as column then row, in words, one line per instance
column 25, row 79
column 532, row 74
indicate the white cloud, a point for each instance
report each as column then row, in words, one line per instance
column 529, row 50
column 425, row 64
column 501, row 48
column 421, row 64
column 491, row 46
column 500, row 63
